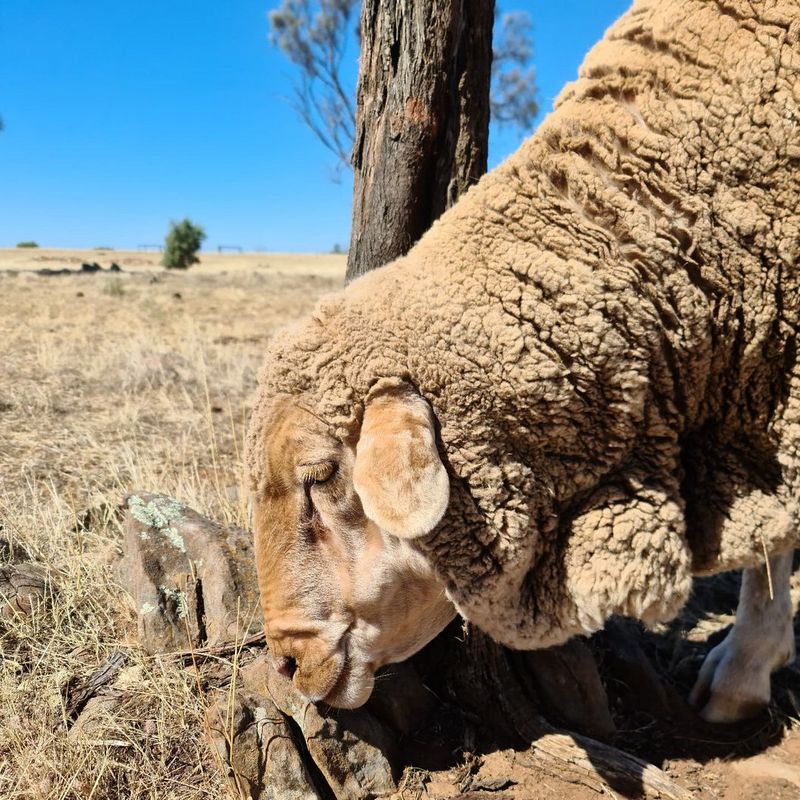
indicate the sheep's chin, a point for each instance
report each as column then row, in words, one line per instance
column 353, row 687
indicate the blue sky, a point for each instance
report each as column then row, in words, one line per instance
column 122, row 116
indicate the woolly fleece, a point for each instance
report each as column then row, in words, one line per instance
column 606, row 329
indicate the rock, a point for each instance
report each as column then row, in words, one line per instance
column 23, row 588
column 96, row 718
column 193, row 582
column 257, row 750
column 352, row 750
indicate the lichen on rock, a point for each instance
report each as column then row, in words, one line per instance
column 159, row 513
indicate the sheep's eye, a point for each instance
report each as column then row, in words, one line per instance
column 312, row 474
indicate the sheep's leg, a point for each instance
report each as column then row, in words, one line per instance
column 734, row 681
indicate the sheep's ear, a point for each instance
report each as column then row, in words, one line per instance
column 398, row 475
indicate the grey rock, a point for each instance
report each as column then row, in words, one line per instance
column 193, row 582
column 257, row 750
column 352, row 750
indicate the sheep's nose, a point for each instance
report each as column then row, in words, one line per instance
column 285, row 665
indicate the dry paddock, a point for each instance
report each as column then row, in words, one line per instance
column 143, row 378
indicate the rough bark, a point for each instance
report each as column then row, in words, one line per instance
column 422, row 119
column 23, row 588
column 77, row 694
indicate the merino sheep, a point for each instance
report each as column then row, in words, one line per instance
column 579, row 389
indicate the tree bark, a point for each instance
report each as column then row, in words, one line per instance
column 422, row 119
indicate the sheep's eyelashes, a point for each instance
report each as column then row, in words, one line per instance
column 312, row 474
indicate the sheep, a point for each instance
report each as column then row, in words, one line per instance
column 577, row 391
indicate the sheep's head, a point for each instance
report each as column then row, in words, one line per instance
column 343, row 590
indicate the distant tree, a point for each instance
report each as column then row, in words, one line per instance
column 27, row 244
column 315, row 43
column 513, row 94
column 181, row 245
column 314, row 36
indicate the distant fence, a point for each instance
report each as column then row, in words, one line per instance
column 229, row 248
column 144, row 248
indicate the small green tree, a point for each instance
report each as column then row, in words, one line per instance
column 182, row 243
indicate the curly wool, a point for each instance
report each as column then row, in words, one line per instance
column 605, row 327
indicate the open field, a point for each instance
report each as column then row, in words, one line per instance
column 37, row 258
column 109, row 382
column 143, row 379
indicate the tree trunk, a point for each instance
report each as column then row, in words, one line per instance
column 422, row 133
column 422, row 119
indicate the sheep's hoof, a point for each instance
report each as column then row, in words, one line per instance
column 734, row 681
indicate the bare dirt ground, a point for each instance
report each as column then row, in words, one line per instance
column 142, row 379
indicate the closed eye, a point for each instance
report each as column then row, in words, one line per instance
column 314, row 474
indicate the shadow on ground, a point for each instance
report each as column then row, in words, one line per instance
column 646, row 675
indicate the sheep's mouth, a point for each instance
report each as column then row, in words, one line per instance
column 353, row 686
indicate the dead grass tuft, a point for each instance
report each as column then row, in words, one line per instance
column 146, row 386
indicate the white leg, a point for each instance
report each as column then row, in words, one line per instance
column 734, row 681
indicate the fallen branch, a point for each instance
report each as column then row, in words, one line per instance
column 224, row 649
column 598, row 765
column 78, row 695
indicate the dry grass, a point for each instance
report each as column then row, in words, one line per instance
column 141, row 379
column 107, row 383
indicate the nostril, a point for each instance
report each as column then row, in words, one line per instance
column 286, row 666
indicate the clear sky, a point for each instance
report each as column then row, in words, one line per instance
column 123, row 115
